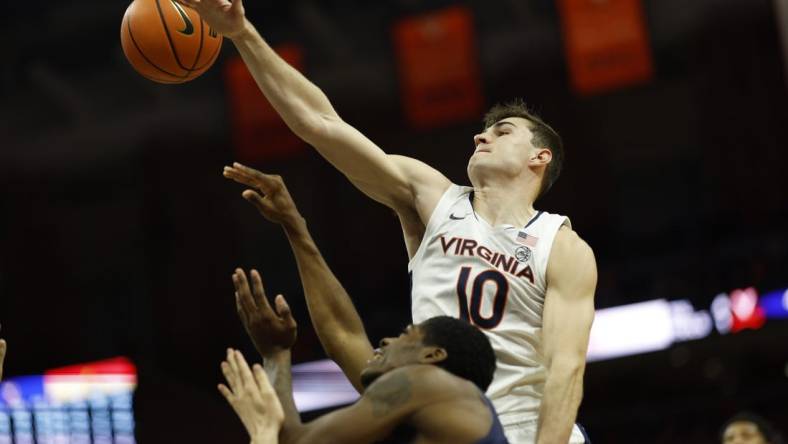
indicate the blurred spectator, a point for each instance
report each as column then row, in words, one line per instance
column 2, row 357
column 749, row 428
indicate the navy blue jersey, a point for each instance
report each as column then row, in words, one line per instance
column 495, row 436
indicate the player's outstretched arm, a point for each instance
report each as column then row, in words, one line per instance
column 273, row 333
column 334, row 317
column 388, row 402
column 385, row 404
column 308, row 113
column 568, row 315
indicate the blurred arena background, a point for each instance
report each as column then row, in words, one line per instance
column 118, row 233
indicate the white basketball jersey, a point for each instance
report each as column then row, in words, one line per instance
column 494, row 277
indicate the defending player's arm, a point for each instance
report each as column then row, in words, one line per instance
column 273, row 333
column 394, row 181
column 2, row 356
column 334, row 317
column 386, row 403
column 568, row 315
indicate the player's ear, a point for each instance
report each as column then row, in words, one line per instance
column 432, row 355
column 541, row 156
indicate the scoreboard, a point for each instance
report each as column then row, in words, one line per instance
column 87, row 403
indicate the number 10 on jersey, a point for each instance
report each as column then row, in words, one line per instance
column 474, row 314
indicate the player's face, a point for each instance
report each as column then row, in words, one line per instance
column 504, row 148
column 743, row 432
column 395, row 352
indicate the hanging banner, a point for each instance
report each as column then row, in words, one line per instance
column 606, row 44
column 439, row 68
column 259, row 133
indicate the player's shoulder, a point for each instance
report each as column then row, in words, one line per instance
column 570, row 255
column 424, row 381
column 419, row 171
column 568, row 241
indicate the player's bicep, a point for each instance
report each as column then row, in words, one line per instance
column 361, row 160
column 395, row 181
column 569, row 302
column 427, row 184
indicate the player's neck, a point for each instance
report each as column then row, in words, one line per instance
column 504, row 205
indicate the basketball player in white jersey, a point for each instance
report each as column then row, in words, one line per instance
column 482, row 253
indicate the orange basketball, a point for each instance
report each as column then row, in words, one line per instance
column 167, row 42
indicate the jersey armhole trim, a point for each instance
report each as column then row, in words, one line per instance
column 445, row 200
column 542, row 269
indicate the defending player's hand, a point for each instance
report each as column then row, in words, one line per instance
column 271, row 331
column 251, row 396
column 269, row 194
column 225, row 17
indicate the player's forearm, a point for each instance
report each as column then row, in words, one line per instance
column 298, row 101
column 563, row 392
column 277, row 368
column 330, row 307
column 267, row 437
column 309, row 114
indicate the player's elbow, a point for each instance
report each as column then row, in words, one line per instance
column 306, row 126
column 312, row 126
column 566, row 366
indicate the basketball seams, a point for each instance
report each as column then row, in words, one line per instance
column 159, row 80
column 166, row 82
column 211, row 58
column 200, row 71
column 169, row 38
column 137, row 47
column 199, row 49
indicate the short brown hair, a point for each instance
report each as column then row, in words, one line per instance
column 544, row 136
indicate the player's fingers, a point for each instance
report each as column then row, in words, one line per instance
column 229, row 376
column 262, row 205
column 283, row 310
column 267, row 183
column 235, row 383
column 243, row 313
column 245, row 302
column 239, row 176
column 245, row 293
column 246, row 373
column 236, row 280
column 228, row 395
column 259, row 292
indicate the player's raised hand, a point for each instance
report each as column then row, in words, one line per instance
column 269, row 194
column 3, row 348
column 271, row 331
column 251, row 396
column 224, row 16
